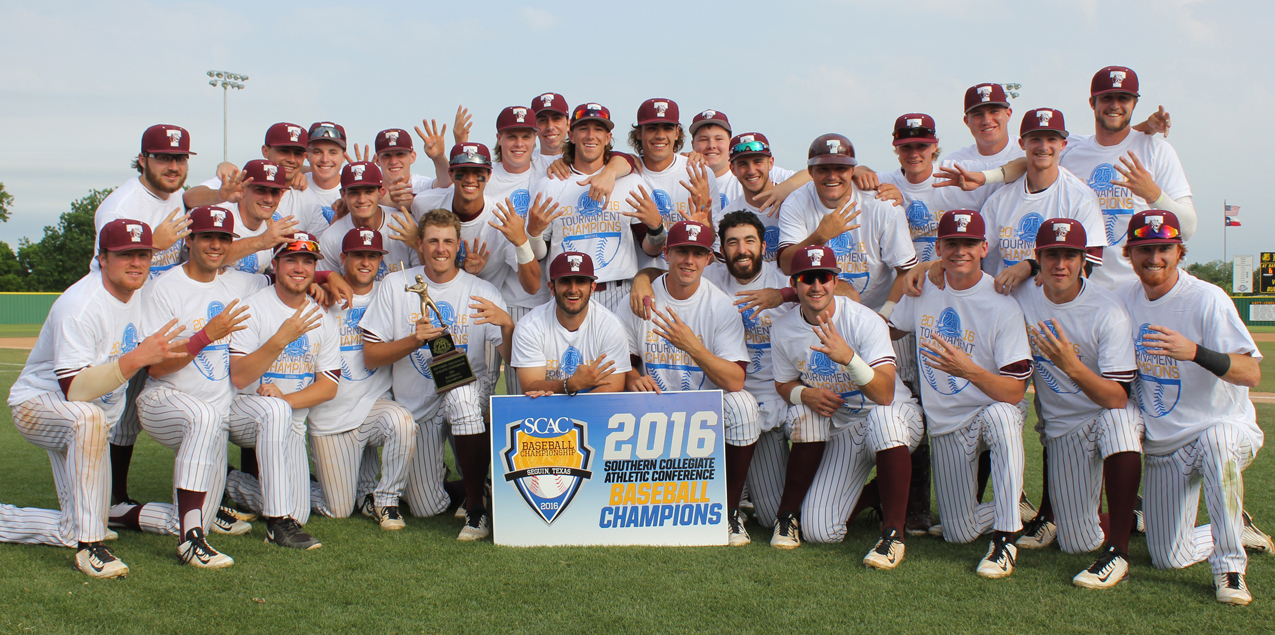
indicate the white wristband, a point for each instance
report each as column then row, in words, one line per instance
column 860, row 371
column 994, row 175
column 658, row 239
column 538, row 247
column 794, row 397
column 524, row 253
column 887, row 309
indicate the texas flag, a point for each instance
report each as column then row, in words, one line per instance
column 1231, row 222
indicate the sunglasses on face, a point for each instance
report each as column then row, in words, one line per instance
column 166, row 159
column 810, row 278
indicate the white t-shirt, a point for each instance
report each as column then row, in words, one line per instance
column 500, row 252
column 1088, row 160
column 256, row 262
column 728, row 185
column 868, row 255
column 540, row 340
column 399, row 255
column 924, row 205
column 360, row 386
column 600, row 230
column 302, row 360
column 422, row 183
column 194, row 304
column 771, row 223
column 1096, row 324
column 517, row 188
column 133, row 201
column 1179, row 400
column 714, row 320
column 673, row 200
column 314, row 207
column 867, row 335
column 393, row 314
column 87, row 326
column 1013, row 216
column 988, row 326
column 970, row 159
column 758, row 328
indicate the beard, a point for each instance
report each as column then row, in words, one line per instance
column 561, row 302
column 741, row 273
column 159, row 186
column 1124, row 123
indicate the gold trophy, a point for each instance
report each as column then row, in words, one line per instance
column 449, row 366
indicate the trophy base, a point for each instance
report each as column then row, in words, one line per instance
column 450, row 366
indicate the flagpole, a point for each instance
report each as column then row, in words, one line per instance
column 1225, row 226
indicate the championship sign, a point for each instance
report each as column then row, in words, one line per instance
column 609, row 469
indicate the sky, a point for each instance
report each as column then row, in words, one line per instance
column 80, row 81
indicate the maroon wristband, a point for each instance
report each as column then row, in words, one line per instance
column 321, row 277
column 197, row 342
column 788, row 294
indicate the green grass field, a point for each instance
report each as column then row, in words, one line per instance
column 423, row 580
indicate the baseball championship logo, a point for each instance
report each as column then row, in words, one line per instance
column 948, row 327
column 1160, row 383
column 1116, row 202
column 924, row 228
column 547, row 459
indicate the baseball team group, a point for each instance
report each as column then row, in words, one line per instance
column 854, row 320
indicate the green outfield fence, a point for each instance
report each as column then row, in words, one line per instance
column 32, row 308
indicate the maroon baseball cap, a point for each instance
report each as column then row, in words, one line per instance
column 592, row 112
column 1043, row 119
column 742, row 145
column 362, row 239
column 1114, row 79
column 1154, row 227
column 361, row 173
column 393, row 139
column 689, row 232
column 962, row 223
column 571, row 263
column 814, row 258
column 515, row 117
column 124, row 234
column 715, row 117
column 982, row 94
column 299, row 242
column 1061, row 232
column 552, row 102
column 211, row 219
column 657, row 110
column 470, row 154
column 327, row 131
column 263, row 172
column 166, row 139
column 831, row 149
column 284, row 134
column 914, row 127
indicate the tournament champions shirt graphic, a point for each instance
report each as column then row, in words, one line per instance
column 1014, row 215
column 360, row 386
column 924, row 205
column 540, row 340
column 592, row 227
column 987, row 326
column 714, row 320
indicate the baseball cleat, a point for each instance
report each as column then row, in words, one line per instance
column 999, row 561
column 738, row 535
column 747, row 507
column 1038, row 534
column 287, row 533
column 1253, row 538
column 477, row 527
column 1026, row 510
column 1231, row 589
column 198, row 553
column 460, row 511
column 936, row 530
column 918, row 524
column 246, row 517
column 226, row 523
column 1110, row 569
column 388, row 518
column 111, row 535
column 787, row 532
column 888, row 552
column 366, row 506
column 1139, row 523
column 96, row 560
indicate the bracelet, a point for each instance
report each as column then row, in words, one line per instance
column 1034, row 265
column 860, row 371
column 794, row 397
column 197, row 342
column 524, row 253
column 567, row 390
column 1212, row 361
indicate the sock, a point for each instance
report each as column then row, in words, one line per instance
column 248, row 462
column 919, row 488
column 803, row 461
column 894, row 467
column 1046, row 507
column 126, row 515
column 738, row 458
column 190, row 509
column 1123, row 472
column 984, row 472
column 121, row 458
column 471, row 454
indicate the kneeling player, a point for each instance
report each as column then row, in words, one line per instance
column 1090, row 428
column 834, row 363
column 975, row 361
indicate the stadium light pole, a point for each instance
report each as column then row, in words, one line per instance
column 226, row 80
column 1012, row 89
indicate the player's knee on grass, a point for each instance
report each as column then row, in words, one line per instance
column 742, row 418
column 804, row 425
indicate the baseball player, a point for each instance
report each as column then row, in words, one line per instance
column 975, row 363
column 162, row 168
column 711, row 139
column 325, row 154
column 361, row 415
column 1082, row 348
column 188, row 404
column 750, row 185
column 395, row 332
column 256, row 222
column 1196, row 364
column 71, row 392
column 987, row 114
column 553, row 114
column 360, row 208
column 288, row 351
column 285, row 146
column 396, row 156
column 605, row 230
column 697, row 338
column 570, row 345
column 834, row 363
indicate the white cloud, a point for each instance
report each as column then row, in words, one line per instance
column 538, row 19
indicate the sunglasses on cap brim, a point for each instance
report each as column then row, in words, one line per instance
column 326, row 132
column 299, row 246
column 751, row 146
column 1166, row 232
column 914, row 133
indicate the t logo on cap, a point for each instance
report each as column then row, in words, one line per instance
column 271, row 170
column 294, row 133
column 575, row 262
column 521, row 114
column 708, row 114
column 392, row 137
column 962, row 221
column 367, row 235
column 1044, row 116
column 472, row 151
column 547, row 99
column 358, row 171
column 1060, row 231
column 693, row 231
column 985, row 93
column 135, row 231
column 218, row 217
column 174, row 138
column 815, row 256
column 1155, row 222
column 914, row 123
column 1117, row 78
column 661, row 107
column 834, row 146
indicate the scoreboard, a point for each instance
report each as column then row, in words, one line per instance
column 1266, row 274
